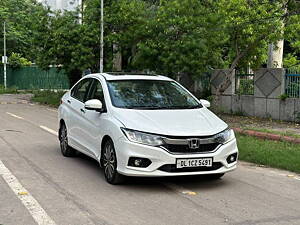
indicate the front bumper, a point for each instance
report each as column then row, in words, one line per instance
column 160, row 159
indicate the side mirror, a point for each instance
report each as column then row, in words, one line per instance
column 93, row 104
column 205, row 103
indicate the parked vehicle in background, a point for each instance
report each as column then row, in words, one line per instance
column 144, row 125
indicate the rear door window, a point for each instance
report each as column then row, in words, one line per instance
column 80, row 91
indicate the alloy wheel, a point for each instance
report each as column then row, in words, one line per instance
column 66, row 150
column 63, row 139
column 109, row 161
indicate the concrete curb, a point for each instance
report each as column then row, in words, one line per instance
column 268, row 136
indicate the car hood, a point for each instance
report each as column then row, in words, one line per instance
column 184, row 122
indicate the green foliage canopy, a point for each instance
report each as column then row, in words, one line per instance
column 173, row 37
column 20, row 17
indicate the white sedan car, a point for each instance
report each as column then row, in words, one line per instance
column 144, row 125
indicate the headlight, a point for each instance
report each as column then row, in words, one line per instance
column 225, row 136
column 142, row 138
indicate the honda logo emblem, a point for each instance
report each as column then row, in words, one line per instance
column 194, row 143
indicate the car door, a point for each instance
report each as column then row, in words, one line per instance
column 93, row 121
column 76, row 102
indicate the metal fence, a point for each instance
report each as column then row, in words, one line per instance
column 244, row 84
column 292, row 83
column 35, row 78
column 203, row 85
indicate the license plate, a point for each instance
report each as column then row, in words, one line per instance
column 200, row 162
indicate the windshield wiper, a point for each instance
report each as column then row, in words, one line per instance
column 184, row 107
column 164, row 107
column 142, row 107
column 152, row 107
column 194, row 107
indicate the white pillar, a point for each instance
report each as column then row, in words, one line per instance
column 59, row 5
column 275, row 55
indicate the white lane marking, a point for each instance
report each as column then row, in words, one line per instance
column 49, row 130
column 41, row 126
column 13, row 115
column 32, row 205
column 52, row 110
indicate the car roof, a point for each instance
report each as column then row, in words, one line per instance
column 129, row 76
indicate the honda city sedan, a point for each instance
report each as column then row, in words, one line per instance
column 144, row 125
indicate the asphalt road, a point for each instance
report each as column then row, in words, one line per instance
column 73, row 190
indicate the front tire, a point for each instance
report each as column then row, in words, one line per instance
column 66, row 150
column 109, row 160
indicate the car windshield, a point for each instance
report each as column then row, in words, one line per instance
column 150, row 94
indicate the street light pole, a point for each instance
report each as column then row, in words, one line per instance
column 80, row 11
column 4, row 58
column 101, row 39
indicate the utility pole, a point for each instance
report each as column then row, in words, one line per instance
column 101, row 38
column 4, row 60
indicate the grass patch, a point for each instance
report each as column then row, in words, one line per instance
column 11, row 90
column 51, row 98
column 278, row 154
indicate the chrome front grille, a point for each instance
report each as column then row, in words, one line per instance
column 190, row 145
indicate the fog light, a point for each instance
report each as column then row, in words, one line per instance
column 139, row 162
column 231, row 158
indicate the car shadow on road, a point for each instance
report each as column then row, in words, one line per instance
column 195, row 182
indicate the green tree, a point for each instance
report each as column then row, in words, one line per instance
column 180, row 38
column 174, row 37
column 20, row 17
column 251, row 26
column 292, row 37
column 61, row 41
column 124, row 23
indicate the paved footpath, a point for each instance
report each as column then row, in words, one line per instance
column 39, row 186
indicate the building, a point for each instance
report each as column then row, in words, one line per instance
column 69, row 5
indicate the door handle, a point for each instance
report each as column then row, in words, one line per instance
column 69, row 101
column 82, row 110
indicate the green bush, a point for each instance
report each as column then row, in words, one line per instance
column 283, row 97
column 246, row 87
column 48, row 97
column 16, row 61
column 10, row 90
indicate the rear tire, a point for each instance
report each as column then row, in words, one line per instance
column 109, row 162
column 66, row 150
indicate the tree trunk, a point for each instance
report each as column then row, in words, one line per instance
column 226, row 83
column 117, row 58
